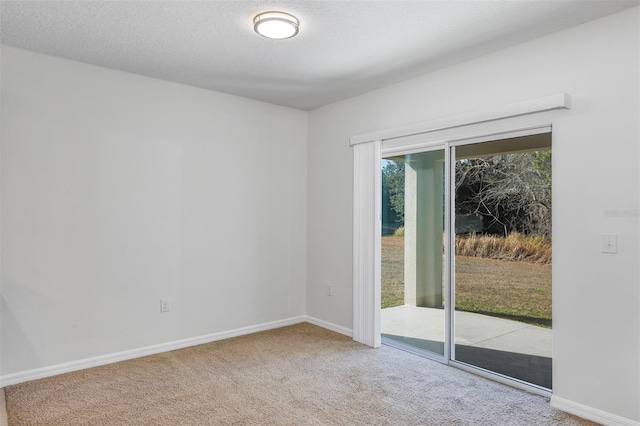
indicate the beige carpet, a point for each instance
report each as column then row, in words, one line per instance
column 3, row 410
column 297, row 375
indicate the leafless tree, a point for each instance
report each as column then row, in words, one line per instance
column 511, row 192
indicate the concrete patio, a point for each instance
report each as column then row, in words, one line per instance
column 473, row 330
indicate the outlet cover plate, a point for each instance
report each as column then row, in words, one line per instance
column 165, row 306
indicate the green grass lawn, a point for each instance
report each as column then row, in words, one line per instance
column 392, row 271
column 508, row 289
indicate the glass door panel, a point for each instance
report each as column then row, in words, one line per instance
column 413, row 262
column 502, row 260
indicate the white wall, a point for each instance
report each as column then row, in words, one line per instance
column 118, row 190
column 596, row 296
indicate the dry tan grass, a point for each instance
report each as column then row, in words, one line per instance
column 515, row 246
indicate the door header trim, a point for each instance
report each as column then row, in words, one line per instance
column 530, row 106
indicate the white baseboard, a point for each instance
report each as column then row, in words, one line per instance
column 590, row 413
column 330, row 326
column 40, row 373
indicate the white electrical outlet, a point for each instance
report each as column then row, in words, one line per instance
column 165, row 306
column 609, row 243
column 329, row 290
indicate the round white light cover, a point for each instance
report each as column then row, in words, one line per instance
column 276, row 25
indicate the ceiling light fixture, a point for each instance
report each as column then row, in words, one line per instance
column 276, row 25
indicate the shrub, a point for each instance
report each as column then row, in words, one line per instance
column 399, row 232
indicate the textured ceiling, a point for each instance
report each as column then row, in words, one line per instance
column 344, row 48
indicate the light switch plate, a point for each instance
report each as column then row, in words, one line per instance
column 609, row 243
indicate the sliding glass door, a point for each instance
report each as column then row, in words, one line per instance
column 466, row 254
